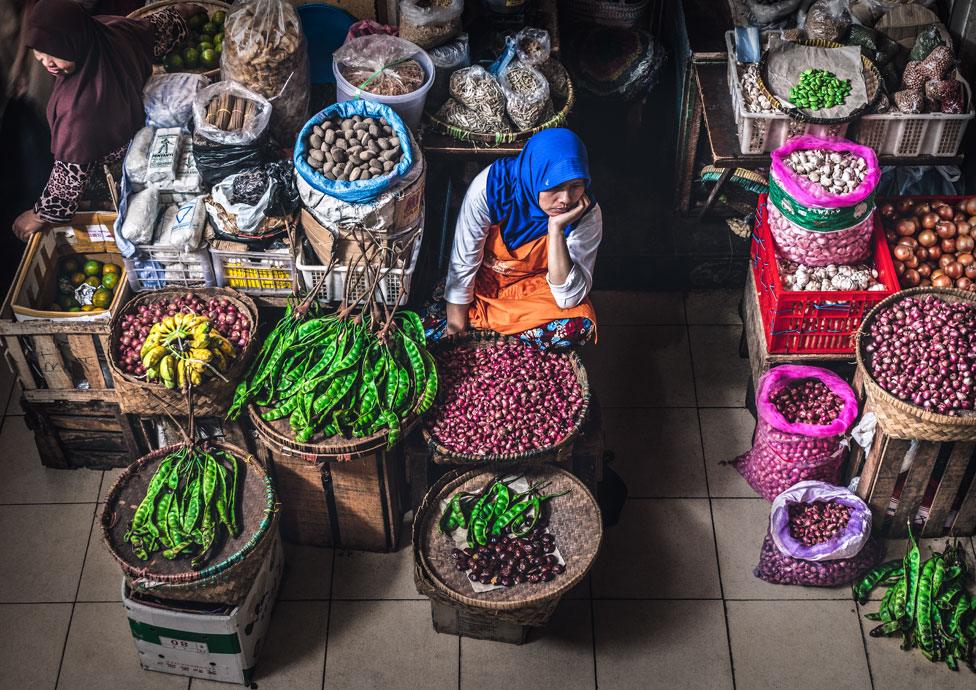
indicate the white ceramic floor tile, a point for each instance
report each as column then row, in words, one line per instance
column 726, row 434
column 101, row 578
column 31, row 643
column 365, row 575
column 712, row 307
column 615, row 308
column 721, row 376
column 308, row 572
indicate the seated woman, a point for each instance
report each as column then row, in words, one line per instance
column 100, row 65
column 524, row 248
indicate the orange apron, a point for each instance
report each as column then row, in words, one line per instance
column 511, row 294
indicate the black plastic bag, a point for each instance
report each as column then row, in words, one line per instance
column 217, row 161
column 285, row 200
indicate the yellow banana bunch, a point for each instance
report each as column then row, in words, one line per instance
column 167, row 371
column 184, row 349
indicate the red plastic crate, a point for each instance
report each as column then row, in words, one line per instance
column 816, row 322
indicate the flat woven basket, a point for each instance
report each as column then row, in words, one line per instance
column 617, row 13
column 872, row 83
column 210, row 5
column 497, row 138
column 898, row 418
column 213, row 396
column 574, row 519
column 557, row 451
column 233, row 567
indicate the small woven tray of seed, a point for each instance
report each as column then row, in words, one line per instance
column 794, row 74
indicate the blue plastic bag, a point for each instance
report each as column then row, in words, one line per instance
column 360, row 191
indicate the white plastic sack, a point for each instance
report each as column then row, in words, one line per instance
column 137, row 157
column 140, row 216
column 247, row 217
column 164, row 156
column 181, row 226
column 168, row 98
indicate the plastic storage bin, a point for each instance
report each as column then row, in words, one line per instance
column 157, row 267
column 410, row 106
column 259, row 273
column 325, row 28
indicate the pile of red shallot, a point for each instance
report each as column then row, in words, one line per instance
column 923, row 351
column 504, row 398
column 224, row 316
column 807, row 401
column 817, row 522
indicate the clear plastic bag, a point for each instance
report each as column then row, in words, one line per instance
column 766, row 11
column 847, row 542
column 367, row 27
column 828, row 20
column 254, row 121
column 168, row 98
column 816, row 248
column 477, row 90
column 785, row 453
column 526, row 94
column 447, row 59
column 429, row 23
column 380, row 64
column 532, row 46
column 264, row 50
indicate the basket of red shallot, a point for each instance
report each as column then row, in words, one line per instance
column 501, row 400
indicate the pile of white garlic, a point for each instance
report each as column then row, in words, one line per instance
column 752, row 94
column 798, row 277
column 836, row 172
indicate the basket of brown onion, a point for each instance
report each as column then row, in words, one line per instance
column 916, row 354
column 932, row 240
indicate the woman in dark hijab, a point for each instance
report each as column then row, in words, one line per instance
column 100, row 66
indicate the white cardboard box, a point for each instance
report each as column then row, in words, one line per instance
column 221, row 646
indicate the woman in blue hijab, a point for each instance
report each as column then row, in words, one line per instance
column 524, row 248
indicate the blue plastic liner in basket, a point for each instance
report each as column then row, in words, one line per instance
column 360, row 191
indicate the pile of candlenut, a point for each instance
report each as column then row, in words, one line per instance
column 355, row 148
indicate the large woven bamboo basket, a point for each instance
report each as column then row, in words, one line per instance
column 898, row 418
column 210, row 5
column 214, row 395
column 557, row 451
column 872, row 83
column 574, row 519
column 565, row 106
column 232, row 569
column 617, row 13
column 278, row 436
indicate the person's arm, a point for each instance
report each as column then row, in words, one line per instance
column 59, row 200
column 571, row 259
column 467, row 253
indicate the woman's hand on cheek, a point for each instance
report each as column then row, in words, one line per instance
column 559, row 223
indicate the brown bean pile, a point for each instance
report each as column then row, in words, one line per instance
column 356, row 148
column 817, row 522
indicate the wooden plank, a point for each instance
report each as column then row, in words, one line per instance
column 965, row 523
column 959, row 459
column 15, row 353
column 881, row 471
column 79, row 442
column 49, row 327
column 48, row 448
column 83, row 423
column 83, row 349
column 44, row 395
column 916, row 481
column 51, row 363
column 361, row 504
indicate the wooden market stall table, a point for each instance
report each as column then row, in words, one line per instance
column 723, row 138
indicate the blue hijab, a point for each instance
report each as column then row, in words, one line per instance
column 550, row 158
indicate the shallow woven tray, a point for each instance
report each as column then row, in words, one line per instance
column 213, row 396
column 898, row 418
column 446, row 456
column 210, row 5
column 229, row 572
column 872, row 83
column 574, row 519
column 497, row 138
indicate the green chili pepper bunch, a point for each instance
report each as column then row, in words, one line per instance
column 926, row 603
column 341, row 375
column 192, row 494
column 818, row 89
column 495, row 511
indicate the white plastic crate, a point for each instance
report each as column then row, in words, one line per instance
column 155, row 267
column 259, row 273
column 393, row 287
column 765, row 132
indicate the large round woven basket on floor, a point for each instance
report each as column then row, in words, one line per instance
column 214, row 395
column 557, row 451
column 574, row 519
column 898, row 418
column 230, row 571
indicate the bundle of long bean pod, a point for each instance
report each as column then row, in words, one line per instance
column 926, row 603
column 190, row 498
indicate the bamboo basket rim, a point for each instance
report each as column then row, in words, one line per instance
column 342, row 450
column 270, row 510
column 542, row 593
column 881, row 399
column 209, row 5
column 867, row 67
column 212, row 383
column 499, row 138
column 486, row 339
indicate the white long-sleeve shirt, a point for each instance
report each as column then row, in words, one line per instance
column 468, row 252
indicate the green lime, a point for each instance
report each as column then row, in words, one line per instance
column 110, row 280
column 94, row 281
column 92, row 267
column 191, row 57
column 204, row 45
column 218, row 37
column 219, row 48
column 173, row 62
column 196, row 21
column 209, row 28
column 75, row 308
column 67, row 302
column 218, row 17
column 102, row 298
column 208, row 57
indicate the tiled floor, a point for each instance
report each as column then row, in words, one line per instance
column 671, row 602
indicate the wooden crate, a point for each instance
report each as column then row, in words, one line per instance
column 761, row 361
column 356, row 504
column 940, row 479
column 92, row 433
